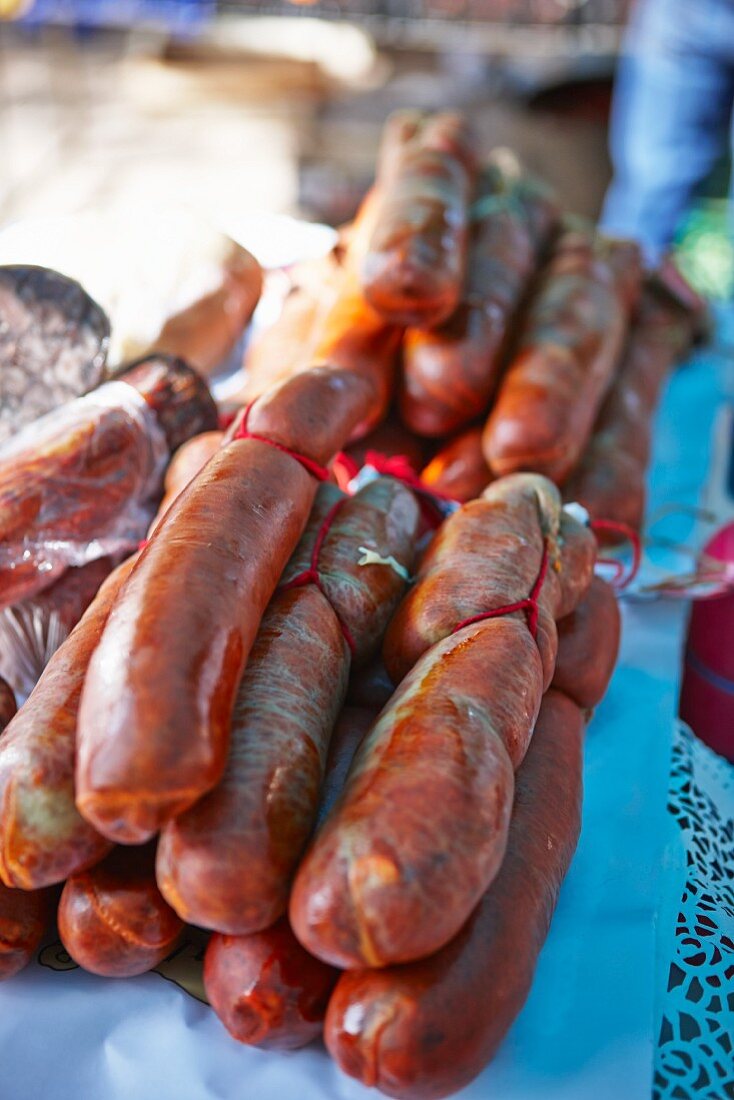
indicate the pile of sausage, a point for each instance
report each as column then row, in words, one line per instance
column 338, row 730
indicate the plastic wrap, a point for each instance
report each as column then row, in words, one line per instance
column 77, row 485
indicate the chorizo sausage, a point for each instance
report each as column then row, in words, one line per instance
column 413, row 268
column 421, row 828
column 24, row 917
column 154, row 729
column 588, row 644
column 459, row 470
column 78, row 484
column 450, row 373
column 265, row 988
column 571, row 340
column 43, row 839
column 112, row 918
column 183, row 468
column 610, row 478
column 424, row 1030
column 262, row 813
column 508, row 527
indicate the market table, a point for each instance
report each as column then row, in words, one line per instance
column 600, row 1015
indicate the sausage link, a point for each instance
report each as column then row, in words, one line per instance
column 450, row 372
column 610, row 479
column 572, row 338
column 588, row 644
column 413, row 268
column 262, row 813
column 424, row 1030
column 112, row 919
column 154, row 728
column 459, row 470
column 266, row 989
column 486, row 556
column 24, row 917
column 187, row 462
column 43, row 839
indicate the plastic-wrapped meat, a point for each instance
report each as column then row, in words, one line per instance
column 53, row 343
column 81, row 483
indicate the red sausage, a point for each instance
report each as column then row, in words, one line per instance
column 610, row 479
column 43, row 839
column 459, row 470
column 262, row 813
column 183, row 468
column 424, row 1030
column 572, row 338
column 413, row 268
column 24, row 917
column 450, row 372
column 265, row 988
column 154, row 728
column 112, row 919
column 588, row 644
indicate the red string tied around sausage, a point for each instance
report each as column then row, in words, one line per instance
column 314, row 468
column 619, row 581
column 312, row 575
column 529, row 605
column 400, row 468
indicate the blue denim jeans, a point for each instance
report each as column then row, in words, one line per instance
column 671, row 115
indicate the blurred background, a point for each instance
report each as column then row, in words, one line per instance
column 243, row 109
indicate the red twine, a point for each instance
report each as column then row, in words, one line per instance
column 528, row 605
column 312, row 576
column 313, row 468
column 619, row 580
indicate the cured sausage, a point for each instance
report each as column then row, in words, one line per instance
column 79, row 484
column 588, row 644
column 43, row 839
column 413, row 267
column 112, row 918
column 421, row 828
column 31, row 631
column 184, row 466
column 265, row 988
column 570, row 344
column 610, row 479
column 459, row 470
column 424, row 1030
column 24, row 918
column 53, row 344
column 450, row 372
column 262, row 813
column 486, row 556
column 8, row 706
column 154, row 729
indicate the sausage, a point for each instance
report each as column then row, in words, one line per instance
column 206, row 331
column 53, row 344
column 42, row 837
column 183, row 468
column 506, row 527
column 8, row 706
column 450, row 372
column 262, row 813
column 24, row 918
column 154, row 730
column 610, row 478
column 112, row 918
column 31, row 631
column 421, row 828
column 571, row 340
column 413, row 267
column 76, row 485
column 390, row 438
column 265, row 988
column 426, row 1029
column 459, row 470
column 588, row 644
